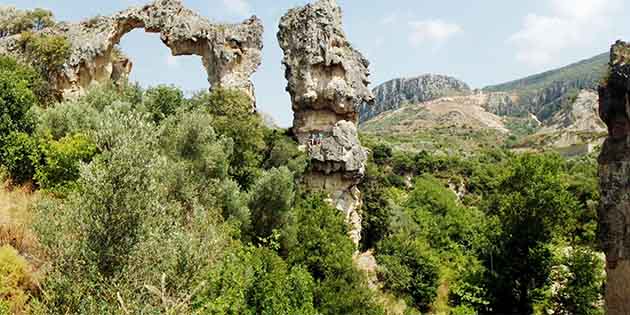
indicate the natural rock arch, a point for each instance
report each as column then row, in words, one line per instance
column 231, row 53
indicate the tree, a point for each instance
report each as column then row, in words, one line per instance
column 16, row 98
column 581, row 283
column 256, row 281
column 317, row 240
column 20, row 154
column 162, row 101
column 47, row 53
column 533, row 207
column 409, row 268
column 228, row 107
column 271, row 198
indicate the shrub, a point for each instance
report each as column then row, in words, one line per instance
column 16, row 281
column 162, row 101
column 284, row 151
column 317, row 240
column 226, row 108
column 46, row 52
column 61, row 160
column 65, row 119
column 271, row 198
column 582, row 283
column 34, row 79
column 381, row 154
column 409, row 268
column 16, row 98
column 105, row 95
column 256, row 281
column 20, row 154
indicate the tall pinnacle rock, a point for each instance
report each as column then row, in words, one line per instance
column 328, row 82
column 614, row 173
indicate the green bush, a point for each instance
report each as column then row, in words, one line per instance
column 583, row 283
column 256, row 281
column 61, row 160
column 271, row 198
column 284, row 151
column 34, row 79
column 317, row 240
column 47, row 53
column 409, row 268
column 21, row 155
column 16, row 98
column 162, row 101
column 65, row 119
column 226, row 108
column 382, row 154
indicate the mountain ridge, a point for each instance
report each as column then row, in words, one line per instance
column 540, row 94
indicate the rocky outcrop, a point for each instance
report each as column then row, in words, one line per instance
column 327, row 81
column 614, row 173
column 397, row 92
column 230, row 53
column 575, row 128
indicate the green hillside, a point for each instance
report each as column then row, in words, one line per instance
column 586, row 72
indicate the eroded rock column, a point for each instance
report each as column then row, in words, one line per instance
column 327, row 81
column 614, row 172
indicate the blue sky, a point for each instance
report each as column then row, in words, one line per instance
column 482, row 42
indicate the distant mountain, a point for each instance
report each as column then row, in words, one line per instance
column 540, row 94
column 394, row 93
column 555, row 109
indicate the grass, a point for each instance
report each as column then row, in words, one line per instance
column 16, row 217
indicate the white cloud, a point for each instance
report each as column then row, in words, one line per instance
column 432, row 31
column 238, row 7
column 583, row 9
column 570, row 24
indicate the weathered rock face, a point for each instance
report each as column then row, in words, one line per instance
column 614, row 172
column 327, row 81
column 394, row 93
column 230, row 53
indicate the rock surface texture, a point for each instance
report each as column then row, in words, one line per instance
column 328, row 82
column 397, row 92
column 230, row 53
column 614, row 172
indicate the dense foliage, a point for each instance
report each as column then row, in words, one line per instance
column 490, row 229
column 156, row 203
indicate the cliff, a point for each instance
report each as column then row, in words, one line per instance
column 614, row 173
column 393, row 94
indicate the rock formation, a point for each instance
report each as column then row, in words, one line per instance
column 614, row 173
column 327, row 81
column 230, row 53
column 394, row 93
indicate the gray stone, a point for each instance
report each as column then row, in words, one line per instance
column 395, row 93
column 328, row 82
